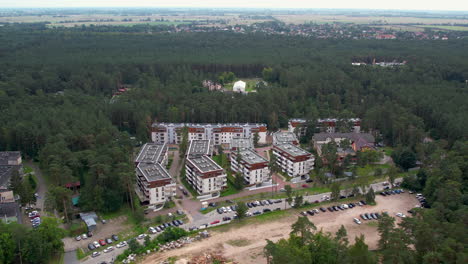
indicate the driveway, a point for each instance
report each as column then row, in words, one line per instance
column 41, row 185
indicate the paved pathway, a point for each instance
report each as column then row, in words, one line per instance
column 41, row 185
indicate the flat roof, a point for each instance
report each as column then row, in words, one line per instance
column 251, row 157
column 151, row 153
column 242, row 143
column 153, row 172
column 292, row 150
column 205, row 164
column 199, row 147
column 5, row 174
column 284, row 137
column 6, row 156
column 205, row 125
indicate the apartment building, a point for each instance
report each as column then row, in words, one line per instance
column 252, row 166
column 326, row 125
column 205, row 175
column 241, row 143
column 171, row 133
column 153, row 153
column 293, row 160
column 285, row 137
column 199, row 148
column 154, row 183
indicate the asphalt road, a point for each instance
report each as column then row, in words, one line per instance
column 213, row 216
column 41, row 185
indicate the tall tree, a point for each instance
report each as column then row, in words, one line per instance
column 359, row 252
column 335, row 191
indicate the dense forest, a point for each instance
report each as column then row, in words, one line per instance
column 56, row 87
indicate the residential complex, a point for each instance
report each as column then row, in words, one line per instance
column 357, row 141
column 205, row 175
column 241, row 143
column 171, row 133
column 154, row 183
column 293, row 160
column 285, row 137
column 327, row 125
column 252, row 166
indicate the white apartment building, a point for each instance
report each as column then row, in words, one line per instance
column 205, row 175
column 153, row 153
column 199, row 147
column 252, row 166
column 154, row 183
column 171, row 133
column 285, row 137
column 241, row 143
column 327, row 125
column 293, row 160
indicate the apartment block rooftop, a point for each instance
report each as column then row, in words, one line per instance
column 151, row 153
column 251, row 157
column 208, row 125
column 204, row 164
column 292, row 150
column 153, row 172
column 9, row 157
column 242, row 143
column 284, row 137
column 199, row 148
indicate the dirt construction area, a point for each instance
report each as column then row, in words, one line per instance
column 245, row 244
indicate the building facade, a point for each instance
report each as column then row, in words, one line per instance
column 154, row 185
column 252, row 166
column 357, row 141
column 327, row 125
column 205, row 175
column 171, row 133
column 293, row 160
column 154, row 181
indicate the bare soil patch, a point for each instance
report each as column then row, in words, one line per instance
column 256, row 235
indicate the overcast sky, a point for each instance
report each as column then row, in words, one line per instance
column 457, row 5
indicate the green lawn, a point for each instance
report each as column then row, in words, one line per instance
column 388, row 151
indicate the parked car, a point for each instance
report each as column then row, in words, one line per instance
column 89, row 234
column 96, row 244
column 95, row 254
column 102, row 242
column 304, row 213
column 363, row 217
column 400, row 215
column 309, row 180
column 91, row 246
column 357, row 221
column 78, row 238
column 121, row 244
column 278, row 201
column 109, row 240
column 330, row 209
column 214, row 222
column 185, row 192
column 323, row 209
column 257, row 213
column 310, row 212
column 115, row 237
column 175, row 223
column 152, row 230
column 266, row 210
column 304, row 185
column 203, row 226
column 141, row 236
column 226, row 218
column 109, row 249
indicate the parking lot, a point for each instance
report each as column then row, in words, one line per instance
column 255, row 235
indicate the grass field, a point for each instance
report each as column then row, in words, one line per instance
column 455, row 28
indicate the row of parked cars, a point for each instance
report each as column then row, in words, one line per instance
column 160, row 228
column 422, row 200
column 262, row 203
column 35, row 218
column 391, row 192
column 101, row 242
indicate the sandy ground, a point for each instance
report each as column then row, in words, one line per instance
column 251, row 239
